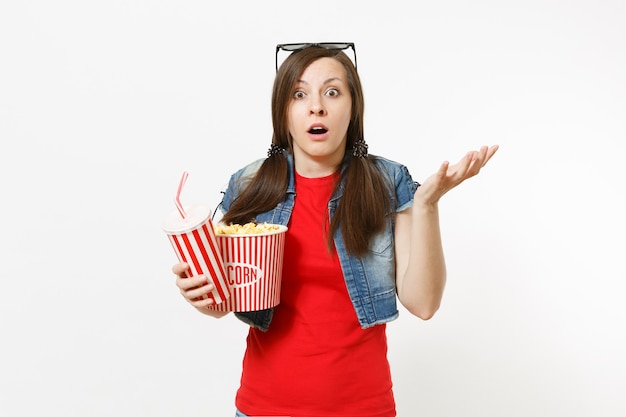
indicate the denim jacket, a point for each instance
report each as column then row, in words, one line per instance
column 370, row 279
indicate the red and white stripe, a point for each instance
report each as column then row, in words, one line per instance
column 200, row 250
column 253, row 266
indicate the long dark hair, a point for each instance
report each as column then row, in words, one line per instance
column 365, row 204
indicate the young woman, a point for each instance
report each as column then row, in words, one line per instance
column 362, row 234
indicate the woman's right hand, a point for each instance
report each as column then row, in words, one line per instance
column 193, row 289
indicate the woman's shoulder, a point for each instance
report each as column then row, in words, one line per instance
column 400, row 178
column 241, row 177
column 249, row 169
column 389, row 166
column 238, row 181
column 381, row 160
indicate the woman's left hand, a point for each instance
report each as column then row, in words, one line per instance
column 449, row 176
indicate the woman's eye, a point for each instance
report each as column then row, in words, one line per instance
column 332, row 92
column 298, row 94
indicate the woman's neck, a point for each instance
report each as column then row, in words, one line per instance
column 312, row 168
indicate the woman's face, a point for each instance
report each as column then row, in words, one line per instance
column 319, row 114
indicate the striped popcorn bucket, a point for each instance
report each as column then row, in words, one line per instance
column 254, row 266
column 193, row 240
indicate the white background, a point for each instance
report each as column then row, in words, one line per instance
column 103, row 105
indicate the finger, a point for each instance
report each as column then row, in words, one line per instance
column 196, row 281
column 490, row 153
column 479, row 159
column 464, row 166
column 198, row 293
column 202, row 302
column 487, row 152
column 443, row 169
column 181, row 269
column 484, row 155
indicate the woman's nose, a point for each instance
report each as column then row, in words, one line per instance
column 317, row 108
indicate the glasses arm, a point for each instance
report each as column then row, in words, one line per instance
column 305, row 45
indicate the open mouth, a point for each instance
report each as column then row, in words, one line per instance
column 317, row 130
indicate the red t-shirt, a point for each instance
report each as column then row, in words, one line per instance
column 315, row 360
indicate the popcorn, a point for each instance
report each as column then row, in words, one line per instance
column 246, row 229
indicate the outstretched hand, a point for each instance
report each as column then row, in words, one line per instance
column 449, row 176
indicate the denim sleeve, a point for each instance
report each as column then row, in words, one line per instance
column 405, row 188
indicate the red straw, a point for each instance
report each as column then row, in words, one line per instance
column 179, row 206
